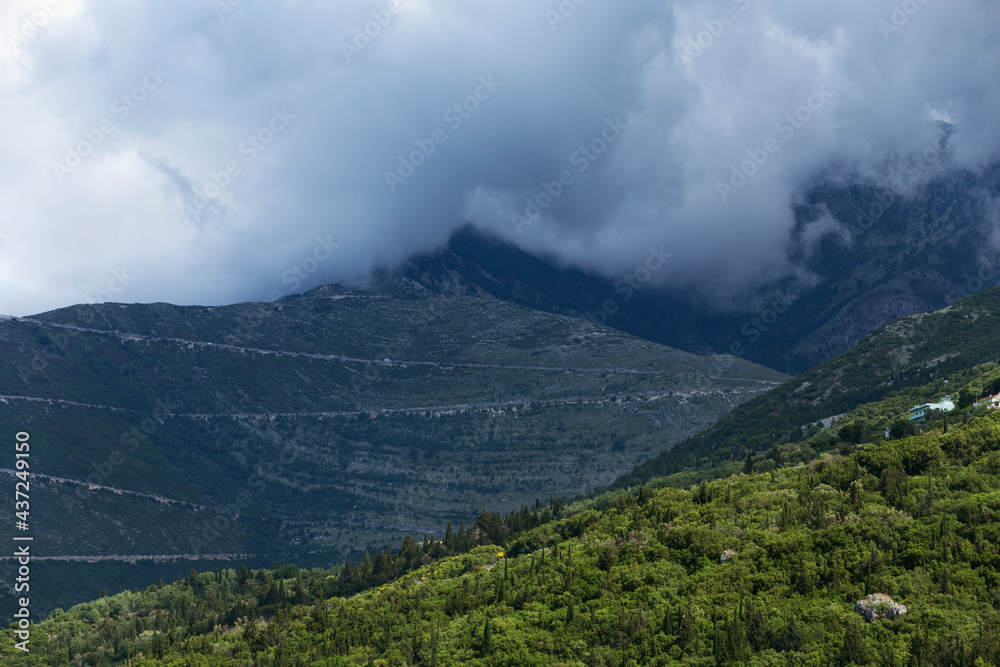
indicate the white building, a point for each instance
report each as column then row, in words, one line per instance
column 992, row 402
column 919, row 412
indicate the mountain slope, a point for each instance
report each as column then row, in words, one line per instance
column 332, row 422
column 908, row 352
column 863, row 256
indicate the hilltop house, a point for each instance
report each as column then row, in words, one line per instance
column 992, row 402
column 918, row 413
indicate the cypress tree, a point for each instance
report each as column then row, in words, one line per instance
column 853, row 649
column 736, row 638
column 717, row 651
column 449, row 538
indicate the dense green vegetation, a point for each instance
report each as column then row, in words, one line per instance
column 907, row 359
column 762, row 567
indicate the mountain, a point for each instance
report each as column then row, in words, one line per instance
column 863, row 256
column 916, row 351
column 322, row 425
column 885, row 555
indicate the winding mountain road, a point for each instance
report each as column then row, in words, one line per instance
column 125, row 336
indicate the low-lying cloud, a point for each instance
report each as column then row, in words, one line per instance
column 207, row 148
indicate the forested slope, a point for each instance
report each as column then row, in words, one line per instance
column 914, row 352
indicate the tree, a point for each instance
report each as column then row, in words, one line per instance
column 487, row 643
column 607, row 557
column 919, row 645
column 853, row 650
column 449, row 537
column 902, row 428
column 756, row 626
column 736, row 639
column 965, row 398
column 853, row 433
column 790, row 638
column 894, row 484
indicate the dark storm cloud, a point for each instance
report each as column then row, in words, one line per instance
column 240, row 150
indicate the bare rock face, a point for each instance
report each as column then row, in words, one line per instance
column 727, row 556
column 879, row 605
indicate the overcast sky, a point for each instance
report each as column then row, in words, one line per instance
column 204, row 152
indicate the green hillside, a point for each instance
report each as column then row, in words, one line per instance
column 760, row 568
column 914, row 353
column 321, row 425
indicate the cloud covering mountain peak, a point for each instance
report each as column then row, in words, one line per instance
column 210, row 148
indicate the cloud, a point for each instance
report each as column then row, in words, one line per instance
column 226, row 141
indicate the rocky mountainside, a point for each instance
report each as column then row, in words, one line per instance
column 864, row 256
column 326, row 424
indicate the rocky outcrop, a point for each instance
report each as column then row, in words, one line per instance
column 879, row 605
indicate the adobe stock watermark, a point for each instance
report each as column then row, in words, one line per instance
column 911, row 173
column 694, row 45
column 786, row 127
column 392, row 351
column 757, row 326
column 582, row 158
column 388, row 352
column 33, row 22
column 562, row 13
column 214, row 527
column 630, row 284
column 119, row 281
column 364, row 35
column 248, row 150
column 225, row 7
column 130, row 441
column 455, row 116
column 297, row 274
column 984, row 279
column 53, row 346
column 900, row 16
column 122, row 107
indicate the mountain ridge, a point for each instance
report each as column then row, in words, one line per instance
column 862, row 256
column 334, row 421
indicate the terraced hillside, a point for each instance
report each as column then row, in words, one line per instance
column 328, row 423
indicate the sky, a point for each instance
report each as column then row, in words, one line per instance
column 217, row 151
